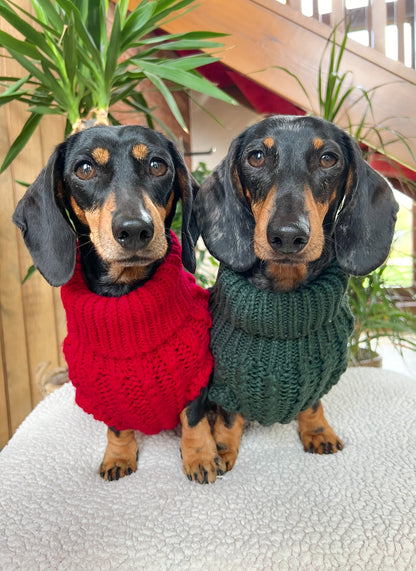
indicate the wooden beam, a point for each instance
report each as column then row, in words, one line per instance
column 377, row 25
column 338, row 14
column 264, row 34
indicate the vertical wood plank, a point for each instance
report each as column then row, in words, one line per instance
column 295, row 4
column 13, row 333
column 28, row 311
column 337, row 17
column 377, row 25
column 4, row 413
column 400, row 21
column 17, row 383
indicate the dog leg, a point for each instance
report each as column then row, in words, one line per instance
column 227, row 432
column 316, row 434
column 120, row 458
column 200, row 459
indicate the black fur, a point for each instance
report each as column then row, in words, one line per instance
column 358, row 226
column 51, row 227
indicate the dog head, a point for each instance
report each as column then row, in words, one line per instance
column 289, row 190
column 116, row 187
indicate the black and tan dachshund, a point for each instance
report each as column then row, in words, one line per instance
column 112, row 190
column 292, row 194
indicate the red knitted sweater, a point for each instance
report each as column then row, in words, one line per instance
column 137, row 360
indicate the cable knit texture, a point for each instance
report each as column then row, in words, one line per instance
column 277, row 353
column 137, row 360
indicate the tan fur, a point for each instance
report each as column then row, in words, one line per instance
column 158, row 246
column 99, row 221
column 316, row 434
column 318, row 143
column 169, row 204
column 140, row 151
column 200, row 459
column 127, row 275
column 316, row 212
column 268, row 142
column 285, row 276
column 79, row 213
column 120, row 457
column 101, row 156
column 261, row 212
column 350, row 178
column 228, row 439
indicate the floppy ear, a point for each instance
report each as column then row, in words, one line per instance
column 183, row 186
column 48, row 236
column 365, row 224
column 223, row 216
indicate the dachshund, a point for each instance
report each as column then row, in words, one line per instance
column 292, row 195
column 111, row 194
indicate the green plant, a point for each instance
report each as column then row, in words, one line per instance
column 337, row 95
column 76, row 67
column 377, row 313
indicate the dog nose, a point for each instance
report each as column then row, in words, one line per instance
column 289, row 238
column 132, row 233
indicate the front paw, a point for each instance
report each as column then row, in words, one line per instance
column 321, row 441
column 202, row 464
column 113, row 468
column 120, row 458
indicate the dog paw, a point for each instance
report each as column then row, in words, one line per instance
column 113, row 468
column 202, row 466
column 322, row 440
column 227, row 454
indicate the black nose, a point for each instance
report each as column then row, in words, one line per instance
column 132, row 233
column 288, row 239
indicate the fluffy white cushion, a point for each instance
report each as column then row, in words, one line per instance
column 279, row 508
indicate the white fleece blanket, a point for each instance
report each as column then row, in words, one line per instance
column 279, row 508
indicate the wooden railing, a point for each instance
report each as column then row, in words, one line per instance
column 371, row 24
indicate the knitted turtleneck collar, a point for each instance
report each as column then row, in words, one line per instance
column 276, row 353
column 281, row 315
column 138, row 359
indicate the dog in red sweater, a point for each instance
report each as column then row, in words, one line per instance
column 97, row 222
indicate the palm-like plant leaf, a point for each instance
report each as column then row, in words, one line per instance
column 74, row 66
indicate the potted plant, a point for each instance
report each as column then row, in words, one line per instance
column 79, row 67
column 80, row 58
column 378, row 314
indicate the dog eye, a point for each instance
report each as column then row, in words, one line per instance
column 256, row 159
column 158, row 167
column 85, row 171
column 328, row 160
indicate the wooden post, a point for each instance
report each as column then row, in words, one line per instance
column 377, row 25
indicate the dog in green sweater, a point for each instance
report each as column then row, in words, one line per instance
column 291, row 211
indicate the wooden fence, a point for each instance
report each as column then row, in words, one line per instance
column 32, row 320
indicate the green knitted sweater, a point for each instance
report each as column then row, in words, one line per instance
column 277, row 353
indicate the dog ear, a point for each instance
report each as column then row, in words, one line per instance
column 223, row 215
column 48, row 236
column 365, row 225
column 183, row 188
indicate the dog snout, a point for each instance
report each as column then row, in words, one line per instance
column 132, row 233
column 289, row 238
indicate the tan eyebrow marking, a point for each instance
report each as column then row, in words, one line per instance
column 318, row 143
column 268, row 142
column 140, row 151
column 101, row 156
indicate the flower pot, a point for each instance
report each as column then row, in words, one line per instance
column 366, row 358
